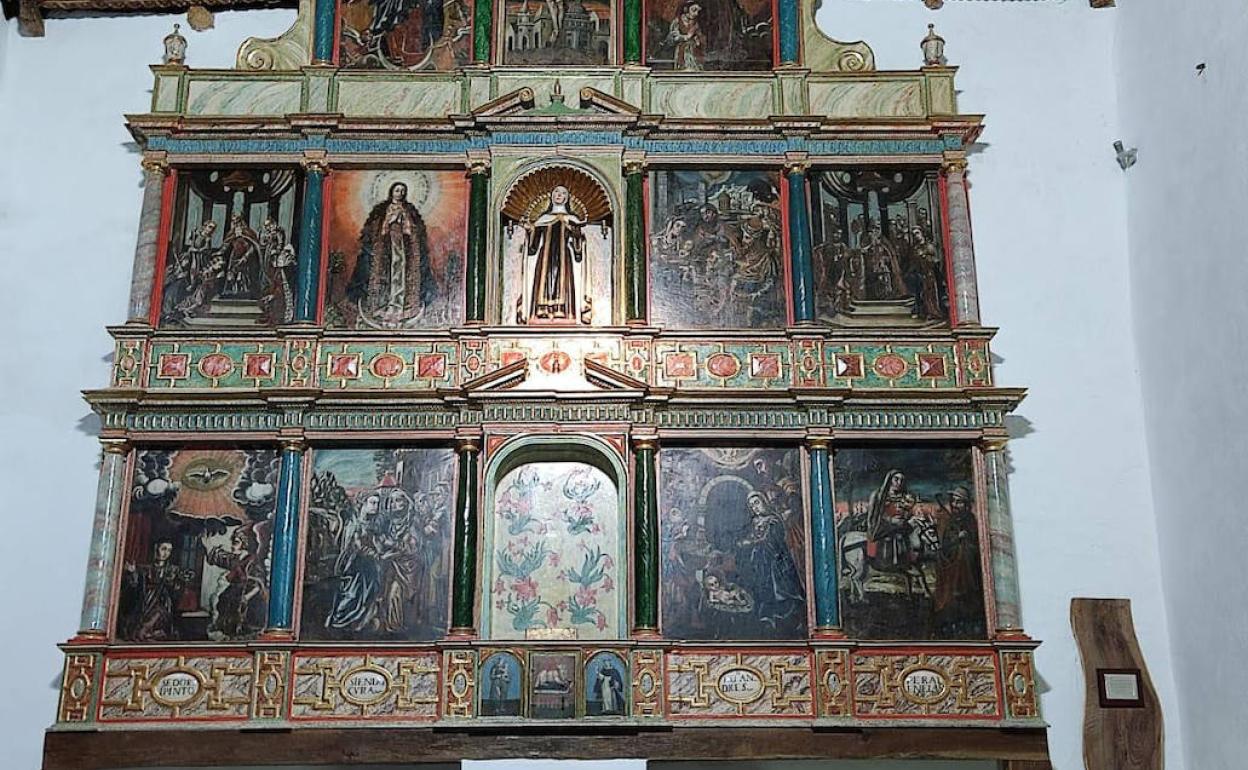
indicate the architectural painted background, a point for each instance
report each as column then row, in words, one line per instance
column 1054, row 221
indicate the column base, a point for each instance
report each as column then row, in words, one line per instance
column 277, row 635
column 646, row 633
column 827, row 633
column 89, row 636
column 1011, row 634
column 461, row 634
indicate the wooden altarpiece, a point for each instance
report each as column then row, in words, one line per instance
column 563, row 379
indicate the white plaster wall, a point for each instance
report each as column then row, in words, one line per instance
column 1187, row 200
column 1050, row 225
column 1048, row 203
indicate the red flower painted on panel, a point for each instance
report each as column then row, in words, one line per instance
column 525, row 589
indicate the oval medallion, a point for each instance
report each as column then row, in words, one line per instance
column 740, row 685
column 832, row 682
column 175, row 688
column 890, row 366
column 215, row 365
column 386, row 366
column 924, row 686
column 366, row 686
column 723, row 365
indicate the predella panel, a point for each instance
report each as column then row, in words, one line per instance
column 195, row 562
column 733, row 544
column 405, row 34
column 502, row 683
column 554, row 568
column 879, row 256
column 396, row 249
column 716, row 249
column 567, row 32
column 693, row 35
column 231, row 259
column 378, row 557
column 909, row 544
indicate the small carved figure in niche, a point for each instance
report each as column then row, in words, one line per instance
column 557, row 242
column 686, row 38
column 175, row 47
column 159, row 587
column 392, row 279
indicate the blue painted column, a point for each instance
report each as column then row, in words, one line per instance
column 308, row 275
column 823, row 541
column 285, row 541
column 790, row 33
column 97, row 596
column 324, row 30
column 800, row 245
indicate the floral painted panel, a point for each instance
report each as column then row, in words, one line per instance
column 733, row 544
column 555, row 569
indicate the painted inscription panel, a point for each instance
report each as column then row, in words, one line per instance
column 716, row 249
column 555, row 570
column 168, row 687
column 398, row 687
column 879, row 256
column 378, row 556
column 195, row 564
column 909, row 542
column 576, row 32
column 724, row 684
column 405, row 34
column 231, row 255
column 732, row 527
column 693, row 35
column 396, row 249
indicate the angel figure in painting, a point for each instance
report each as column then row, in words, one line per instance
column 557, row 241
column 392, row 278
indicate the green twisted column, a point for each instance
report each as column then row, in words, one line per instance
column 632, row 31
column 478, row 231
column 635, row 304
column 645, row 537
column 463, row 596
column 482, row 30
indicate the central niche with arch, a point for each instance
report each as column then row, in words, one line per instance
column 554, row 564
column 558, row 265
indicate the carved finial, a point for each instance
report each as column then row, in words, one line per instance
column 933, row 48
column 556, row 94
column 175, row 47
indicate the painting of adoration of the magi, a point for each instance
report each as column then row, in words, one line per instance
column 878, row 247
column 196, row 551
column 693, row 35
column 569, row 32
column 715, row 249
column 405, row 34
column 909, row 544
column 231, row 257
column 555, row 570
column 396, row 249
column 377, row 565
column 733, row 544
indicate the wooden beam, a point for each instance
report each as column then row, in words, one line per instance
column 111, row 749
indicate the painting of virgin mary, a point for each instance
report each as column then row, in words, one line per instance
column 392, row 279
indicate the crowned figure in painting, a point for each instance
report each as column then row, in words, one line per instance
column 392, row 277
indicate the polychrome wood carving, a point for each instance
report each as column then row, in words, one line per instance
column 535, row 364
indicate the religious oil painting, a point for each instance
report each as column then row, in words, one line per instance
column 557, row 265
column 606, row 686
column 552, row 685
column 195, row 562
column 378, row 559
column 716, row 249
column 564, row 32
column 696, row 35
column 502, row 682
column 909, row 543
column 413, row 35
column 554, row 569
column 879, row 257
column 732, row 531
column 396, row 249
column 231, row 259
